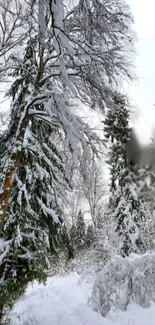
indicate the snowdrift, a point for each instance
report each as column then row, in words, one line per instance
column 64, row 301
column 125, row 280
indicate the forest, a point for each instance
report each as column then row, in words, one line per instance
column 76, row 188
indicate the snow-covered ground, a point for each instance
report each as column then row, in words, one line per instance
column 65, row 301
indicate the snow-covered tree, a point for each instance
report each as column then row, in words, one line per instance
column 147, row 194
column 124, row 280
column 75, row 201
column 126, row 208
column 66, row 241
column 52, row 58
column 105, row 237
column 74, row 64
column 143, row 158
column 147, row 187
column 80, row 229
column 14, row 18
column 89, row 237
column 73, row 234
column 93, row 187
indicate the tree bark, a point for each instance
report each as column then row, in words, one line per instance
column 11, row 171
column 1, row 312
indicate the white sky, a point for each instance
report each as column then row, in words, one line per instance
column 142, row 92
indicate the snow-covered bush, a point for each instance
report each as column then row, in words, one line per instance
column 124, row 280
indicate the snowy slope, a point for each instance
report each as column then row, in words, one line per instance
column 64, row 301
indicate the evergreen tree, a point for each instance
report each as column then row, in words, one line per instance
column 89, row 237
column 147, row 194
column 145, row 178
column 66, row 241
column 126, row 207
column 30, row 231
column 147, row 187
column 73, row 235
column 80, row 229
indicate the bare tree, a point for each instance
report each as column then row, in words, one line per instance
column 14, row 27
column 94, row 189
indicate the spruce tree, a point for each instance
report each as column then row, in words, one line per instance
column 126, row 207
column 31, row 228
column 80, row 229
column 89, row 237
column 147, row 187
column 73, row 235
column 147, row 194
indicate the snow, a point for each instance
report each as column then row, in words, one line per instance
column 125, row 280
column 65, row 301
column 4, row 248
column 49, row 211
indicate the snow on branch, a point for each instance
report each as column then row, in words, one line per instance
column 125, row 280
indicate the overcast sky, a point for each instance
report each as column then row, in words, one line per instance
column 143, row 92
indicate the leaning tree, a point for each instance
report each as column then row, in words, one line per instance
column 53, row 58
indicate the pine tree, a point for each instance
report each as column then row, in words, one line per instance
column 126, row 207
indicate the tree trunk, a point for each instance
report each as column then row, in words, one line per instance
column 6, row 187
column 1, row 313
column 11, row 171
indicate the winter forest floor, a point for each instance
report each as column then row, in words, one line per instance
column 65, row 300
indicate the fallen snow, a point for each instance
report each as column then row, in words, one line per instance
column 123, row 281
column 65, row 301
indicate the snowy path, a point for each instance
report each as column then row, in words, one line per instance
column 64, row 301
